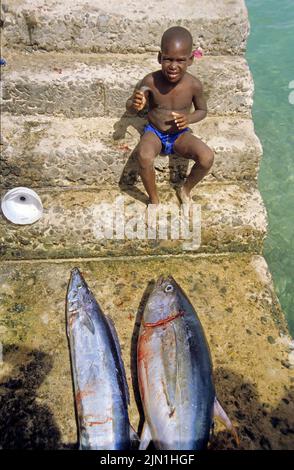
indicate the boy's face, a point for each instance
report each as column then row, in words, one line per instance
column 175, row 58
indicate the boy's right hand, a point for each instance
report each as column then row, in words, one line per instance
column 139, row 100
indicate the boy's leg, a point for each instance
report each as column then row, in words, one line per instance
column 189, row 146
column 148, row 148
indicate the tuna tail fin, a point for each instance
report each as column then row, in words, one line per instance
column 211, row 435
column 146, row 437
column 220, row 413
column 118, row 350
column 134, row 438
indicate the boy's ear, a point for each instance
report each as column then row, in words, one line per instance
column 159, row 57
column 191, row 59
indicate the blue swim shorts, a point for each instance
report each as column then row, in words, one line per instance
column 167, row 140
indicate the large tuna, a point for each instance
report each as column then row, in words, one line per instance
column 175, row 373
column 100, row 386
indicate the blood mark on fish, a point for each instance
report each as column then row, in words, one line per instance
column 72, row 317
column 97, row 423
column 82, row 394
column 164, row 321
column 90, row 420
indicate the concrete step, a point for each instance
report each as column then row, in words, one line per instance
column 92, row 85
column 49, row 151
column 76, row 223
column 234, row 298
column 128, row 26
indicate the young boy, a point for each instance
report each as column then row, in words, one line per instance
column 170, row 93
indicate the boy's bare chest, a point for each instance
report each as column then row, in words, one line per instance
column 178, row 98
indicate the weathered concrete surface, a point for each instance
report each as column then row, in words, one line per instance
column 88, row 85
column 252, row 355
column 233, row 219
column 43, row 151
column 128, row 26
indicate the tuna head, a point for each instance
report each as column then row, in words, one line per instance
column 164, row 301
column 77, row 290
column 80, row 301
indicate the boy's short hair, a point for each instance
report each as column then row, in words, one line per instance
column 177, row 33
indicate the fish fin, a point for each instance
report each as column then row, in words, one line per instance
column 119, row 355
column 87, row 322
column 93, row 374
column 211, row 435
column 220, row 413
column 146, row 437
column 134, row 438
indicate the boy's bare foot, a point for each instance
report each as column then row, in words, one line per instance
column 183, row 195
column 154, row 201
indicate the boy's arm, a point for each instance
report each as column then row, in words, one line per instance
column 139, row 98
column 199, row 104
column 183, row 120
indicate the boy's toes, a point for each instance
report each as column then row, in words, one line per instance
column 155, row 202
column 185, row 198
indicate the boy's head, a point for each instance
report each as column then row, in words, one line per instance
column 176, row 53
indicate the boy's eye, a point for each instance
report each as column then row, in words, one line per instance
column 166, row 59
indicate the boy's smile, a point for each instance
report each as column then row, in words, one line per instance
column 175, row 59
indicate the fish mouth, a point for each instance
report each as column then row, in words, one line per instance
column 75, row 271
column 76, row 277
column 76, row 285
column 161, row 280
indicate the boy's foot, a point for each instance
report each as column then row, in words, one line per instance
column 184, row 197
column 153, row 201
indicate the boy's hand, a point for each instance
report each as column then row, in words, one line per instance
column 139, row 100
column 181, row 120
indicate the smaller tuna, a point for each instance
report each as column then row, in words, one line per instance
column 100, row 385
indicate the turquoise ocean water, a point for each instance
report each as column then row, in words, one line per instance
column 270, row 55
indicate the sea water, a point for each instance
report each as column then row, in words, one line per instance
column 270, row 54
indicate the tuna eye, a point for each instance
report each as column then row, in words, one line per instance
column 169, row 288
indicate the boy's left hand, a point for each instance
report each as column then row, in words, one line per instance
column 181, row 120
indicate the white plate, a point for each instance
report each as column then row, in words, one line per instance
column 22, row 206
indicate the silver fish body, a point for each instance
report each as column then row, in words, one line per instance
column 174, row 372
column 100, row 387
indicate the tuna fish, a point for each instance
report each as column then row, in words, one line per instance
column 100, row 386
column 175, row 373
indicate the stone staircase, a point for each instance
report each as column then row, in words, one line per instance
column 70, row 69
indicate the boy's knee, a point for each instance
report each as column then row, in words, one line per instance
column 145, row 158
column 207, row 159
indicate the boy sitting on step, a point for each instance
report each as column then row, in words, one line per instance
column 170, row 93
